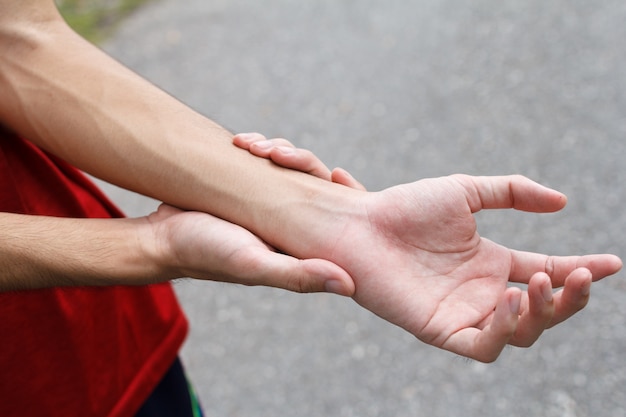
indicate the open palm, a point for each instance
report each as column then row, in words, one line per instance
column 421, row 264
column 417, row 260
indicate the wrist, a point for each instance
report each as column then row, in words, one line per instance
column 311, row 217
column 42, row 252
column 124, row 252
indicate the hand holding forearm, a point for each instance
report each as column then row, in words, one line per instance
column 40, row 251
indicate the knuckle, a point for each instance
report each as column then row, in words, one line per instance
column 550, row 266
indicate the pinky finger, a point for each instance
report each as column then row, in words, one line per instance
column 486, row 345
column 343, row 177
column 300, row 160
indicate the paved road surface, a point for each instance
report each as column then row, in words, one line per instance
column 396, row 91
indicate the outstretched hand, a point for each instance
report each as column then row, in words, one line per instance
column 418, row 261
column 414, row 255
column 420, row 264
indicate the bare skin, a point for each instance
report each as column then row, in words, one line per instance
column 412, row 251
column 461, row 301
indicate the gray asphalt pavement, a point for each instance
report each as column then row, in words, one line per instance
column 395, row 91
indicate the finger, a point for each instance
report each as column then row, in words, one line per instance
column 258, row 144
column 164, row 211
column 513, row 191
column 244, row 140
column 301, row 160
column 283, row 153
column 486, row 345
column 573, row 297
column 343, row 177
column 303, row 276
column 525, row 264
column 265, row 148
column 536, row 312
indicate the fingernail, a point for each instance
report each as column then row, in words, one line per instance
column 335, row 287
column 547, row 292
column 285, row 150
column 514, row 303
column 585, row 290
column 244, row 136
column 264, row 144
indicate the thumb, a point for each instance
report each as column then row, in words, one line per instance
column 304, row 275
column 512, row 191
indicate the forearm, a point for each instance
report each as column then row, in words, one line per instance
column 68, row 97
column 81, row 105
column 41, row 252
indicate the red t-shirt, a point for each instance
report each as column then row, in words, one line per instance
column 77, row 351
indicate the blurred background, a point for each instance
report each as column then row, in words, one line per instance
column 396, row 91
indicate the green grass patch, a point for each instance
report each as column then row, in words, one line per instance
column 96, row 19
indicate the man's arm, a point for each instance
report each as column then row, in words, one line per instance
column 413, row 250
column 42, row 251
column 76, row 102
